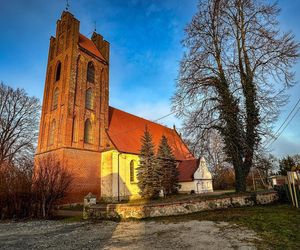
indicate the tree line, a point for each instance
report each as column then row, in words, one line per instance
column 156, row 172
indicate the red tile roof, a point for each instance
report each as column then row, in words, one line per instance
column 88, row 44
column 125, row 131
column 187, row 169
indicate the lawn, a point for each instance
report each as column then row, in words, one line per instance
column 277, row 225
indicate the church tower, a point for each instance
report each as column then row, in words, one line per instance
column 75, row 108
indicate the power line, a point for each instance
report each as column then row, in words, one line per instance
column 278, row 132
column 285, row 126
column 164, row 116
column 268, row 143
column 148, row 121
column 288, row 116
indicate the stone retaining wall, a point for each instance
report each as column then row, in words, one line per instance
column 125, row 211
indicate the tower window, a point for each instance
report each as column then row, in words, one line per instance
column 55, row 98
column 51, row 132
column 89, row 99
column 88, row 137
column 58, row 70
column 132, row 171
column 91, row 72
column 74, row 132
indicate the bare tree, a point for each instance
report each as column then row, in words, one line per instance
column 228, row 78
column 212, row 148
column 51, row 183
column 265, row 165
column 296, row 159
column 223, row 176
column 19, row 120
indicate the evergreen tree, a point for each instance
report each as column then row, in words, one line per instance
column 167, row 167
column 148, row 175
column 286, row 164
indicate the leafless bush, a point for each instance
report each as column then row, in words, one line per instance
column 15, row 191
column 51, row 183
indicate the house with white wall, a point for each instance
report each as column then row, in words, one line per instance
column 194, row 176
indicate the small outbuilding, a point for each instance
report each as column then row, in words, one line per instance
column 194, row 176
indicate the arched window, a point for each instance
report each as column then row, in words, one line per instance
column 89, row 99
column 88, row 136
column 58, row 70
column 90, row 72
column 75, row 130
column 64, row 74
column 51, row 132
column 55, row 98
column 132, row 171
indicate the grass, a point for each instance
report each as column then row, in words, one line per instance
column 71, row 219
column 277, row 225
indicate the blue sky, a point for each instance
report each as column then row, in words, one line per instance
column 145, row 40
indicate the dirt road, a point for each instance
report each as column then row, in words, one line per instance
column 125, row 235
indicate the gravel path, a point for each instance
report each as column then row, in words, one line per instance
column 125, row 235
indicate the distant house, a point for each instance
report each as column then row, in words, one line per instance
column 277, row 180
column 194, row 176
column 282, row 179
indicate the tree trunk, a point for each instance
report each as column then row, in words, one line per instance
column 44, row 209
column 240, row 180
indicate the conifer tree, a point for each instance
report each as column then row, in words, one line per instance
column 148, row 175
column 167, row 167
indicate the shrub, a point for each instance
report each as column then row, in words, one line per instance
column 51, row 183
column 23, row 194
column 282, row 193
column 15, row 192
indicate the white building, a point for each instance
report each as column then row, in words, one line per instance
column 195, row 177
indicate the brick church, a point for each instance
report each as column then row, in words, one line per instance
column 98, row 143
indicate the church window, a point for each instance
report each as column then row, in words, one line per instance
column 132, row 171
column 51, row 132
column 89, row 99
column 55, row 98
column 90, row 72
column 88, row 138
column 58, row 70
column 75, row 132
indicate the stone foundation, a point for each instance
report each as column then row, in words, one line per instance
column 138, row 211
